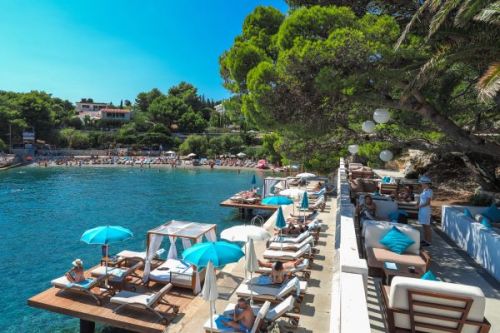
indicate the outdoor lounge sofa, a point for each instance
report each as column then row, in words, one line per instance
column 84, row 287
column 177, row 272
column 416, row 305
column 272, row 293
column 278, row 311
column 146, row 301
column 376, row 253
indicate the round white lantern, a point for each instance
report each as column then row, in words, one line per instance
column 381, row 116
column 353, row 149
column 368, row 126
column 386, row 155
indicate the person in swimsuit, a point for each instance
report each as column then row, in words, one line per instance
column 243, row 317
column 367, row 209
column 280, row 270
column 76, row 274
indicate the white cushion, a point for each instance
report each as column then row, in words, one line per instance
column 181, row 273
column 127, row 297
column 398, row 299
column 373, row 231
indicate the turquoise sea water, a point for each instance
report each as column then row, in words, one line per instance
column 43, row 213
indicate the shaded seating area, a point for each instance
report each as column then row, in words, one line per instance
column 173, row 270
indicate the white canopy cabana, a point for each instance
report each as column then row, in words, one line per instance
column 188, row 232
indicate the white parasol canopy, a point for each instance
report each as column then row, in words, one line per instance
column 251, row 265
column 192, row 155
column 242, row 233
column 292, row 192
column 306, row 175
column 209, row 292
column 241, row 155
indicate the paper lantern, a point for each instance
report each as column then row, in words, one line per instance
column 386, row 155
column 368, row 126
column 381, row 116
column 353, row 149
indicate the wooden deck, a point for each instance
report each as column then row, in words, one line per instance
column 232, row 204
column 85, row 308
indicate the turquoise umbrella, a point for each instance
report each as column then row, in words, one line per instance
column 254, row 180
column 304, row 204
column 219, row 253
column 106, row 235
column 280, row 222
column 277, row 200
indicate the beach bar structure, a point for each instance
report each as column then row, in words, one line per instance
column 182, row 296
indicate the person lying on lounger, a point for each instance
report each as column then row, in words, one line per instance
column 243, row 317
column 292, row 229
column 279, row 269
column 76, row 274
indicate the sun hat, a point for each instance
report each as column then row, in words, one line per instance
column 424, row 180
column 77, row 262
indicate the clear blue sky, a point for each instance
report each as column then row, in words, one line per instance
column 113, row 49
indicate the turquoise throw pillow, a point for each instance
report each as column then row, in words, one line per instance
column 486, row 222
column 396, row 241
column 429, row 276
column 468, row 213
column 492, row 213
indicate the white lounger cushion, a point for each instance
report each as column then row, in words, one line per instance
column 267, row 290
column 291, row 246
column 127, row 254
column 373, row 232
column 288, row 239
column 398, row 299
column 113, row 271
column 182, row 273
column 128, row 297
column 287, row 255
column 63, row 282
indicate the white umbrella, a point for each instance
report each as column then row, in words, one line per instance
column 306, row 175
column 170, row 152
column 242, row 233
column 241, row 155
column 292, row 192
column 251, row 265
column 209, row 292
column 191, row 155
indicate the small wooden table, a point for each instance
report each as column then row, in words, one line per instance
column 402, row 270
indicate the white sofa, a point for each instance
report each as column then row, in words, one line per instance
column 481, row 243
column 385, row 206
column 377, row 253
column 436, row 295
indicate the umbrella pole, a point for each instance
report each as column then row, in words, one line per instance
column 211, row 318
column 251, row 289
column 107, row 258
column 246, row 258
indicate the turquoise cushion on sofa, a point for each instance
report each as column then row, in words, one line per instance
column 486, row 222
column 396, row 241
column 492, row 213
column 468, row 213
column 429, row 276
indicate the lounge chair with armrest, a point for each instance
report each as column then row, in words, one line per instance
column 84, row 287
column 281, row 255
column 177, row 272
column 290, row 238
column 260, row 314
column 145, row 301
column 291, row 246
column 134, row 256
column 274, row 293
column 117, row 276
column 416, row 305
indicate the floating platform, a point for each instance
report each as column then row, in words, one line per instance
column 247, row 209
column 85, row 308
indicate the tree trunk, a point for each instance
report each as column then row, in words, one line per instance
column 485, row 179
column 467, row 143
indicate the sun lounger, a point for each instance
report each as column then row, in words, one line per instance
column 84, row 287
column 281, row 255
column 177, row 272
column 291, row 246
column 146, row 301
column 273, row 314
column 299, row 269
column 117, row 276
column 274, row 294
column 317, row 194
column 136, row 255
column 217, row 325
column 291, row 239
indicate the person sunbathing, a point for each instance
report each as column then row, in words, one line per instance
column 279, row 270
column 243, row 317
column 76, row 273
column 292, row 229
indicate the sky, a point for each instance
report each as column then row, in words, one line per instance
column 111, row 50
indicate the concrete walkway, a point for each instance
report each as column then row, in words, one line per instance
column 450, row 264
column 315, row 310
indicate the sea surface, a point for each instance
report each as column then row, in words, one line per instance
column 44, row 211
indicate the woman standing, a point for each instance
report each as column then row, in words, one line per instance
column 424, row 209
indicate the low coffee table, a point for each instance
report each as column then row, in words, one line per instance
column 401, row 270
